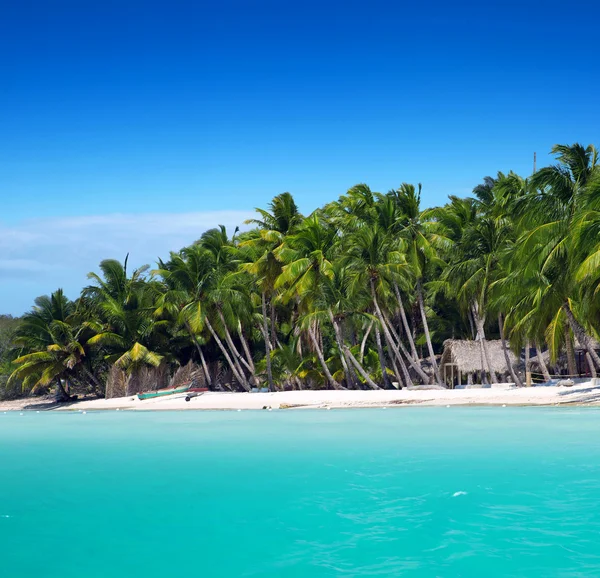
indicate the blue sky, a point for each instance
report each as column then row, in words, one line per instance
column 134, row 126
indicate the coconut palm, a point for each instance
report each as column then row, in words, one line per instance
column 375, row 262
column 227, row 298
column 338, row 304
column 192, row 279
column 53, row 346
column 124, row 325
column 307, row 255
column 550, row 226
column 423, row 241
column 259, row 250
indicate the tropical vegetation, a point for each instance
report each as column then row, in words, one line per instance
column 361, row 293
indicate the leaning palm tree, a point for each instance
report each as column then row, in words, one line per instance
column 228, row 299
column 422, row 243
column 258, row 249
column 307, row 256
column 339, row 303
column 374, row 262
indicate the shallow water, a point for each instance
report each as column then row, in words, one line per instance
column 427, row 492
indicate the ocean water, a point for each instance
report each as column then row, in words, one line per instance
column 415, row 492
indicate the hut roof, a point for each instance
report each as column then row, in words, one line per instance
column 466, row 355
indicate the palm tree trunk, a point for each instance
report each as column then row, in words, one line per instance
column 360, row 369
column 484, row 344
column 407, row 330
column 319, row 353
column 542, row 363
column 403, row 381
column 201, row 354
column 588, row 358
column 346, row 363
column 363, row 343
column 347, row 353
column 397, row 357
column 265, row 332
column 61, row 395
column 583, row 338
column 205, row 367
column 319, row 335
column 238, row 357
column 571, row 363
column 272, row 320
column 386, row 333
column 413, row 363
column 246, row 348
column 470, row 318
column 239, row 376
column 380, row 354
column 509, row 365
column 436, row 371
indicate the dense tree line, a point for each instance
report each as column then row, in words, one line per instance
column 360, row 293
column 8, row 325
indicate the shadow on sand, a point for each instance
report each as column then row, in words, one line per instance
column 588, row 395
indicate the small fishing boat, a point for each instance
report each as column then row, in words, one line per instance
column 161, row 392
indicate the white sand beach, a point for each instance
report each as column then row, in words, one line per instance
column 581, row 394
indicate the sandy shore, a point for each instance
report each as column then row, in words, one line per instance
column 582, row 394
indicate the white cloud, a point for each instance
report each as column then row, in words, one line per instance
column 39, row 255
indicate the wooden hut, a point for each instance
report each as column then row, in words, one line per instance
column 464, row 359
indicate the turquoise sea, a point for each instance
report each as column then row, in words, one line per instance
column 415, row 492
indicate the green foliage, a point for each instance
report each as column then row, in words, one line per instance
column 298, row 301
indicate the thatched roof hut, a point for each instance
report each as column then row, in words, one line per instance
column 465, row 357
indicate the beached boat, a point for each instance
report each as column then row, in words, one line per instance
column 161, row 392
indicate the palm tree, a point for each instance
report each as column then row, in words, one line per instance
column 263, row 266
column 181, row 296
column 550, row 228
column 227, row 297
column 307, row 256
column 124, row 325
column 422, row 241
column 262, row 269
column 374, row 261
column 191, row 279
column 338, row 303
column 53, row 346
